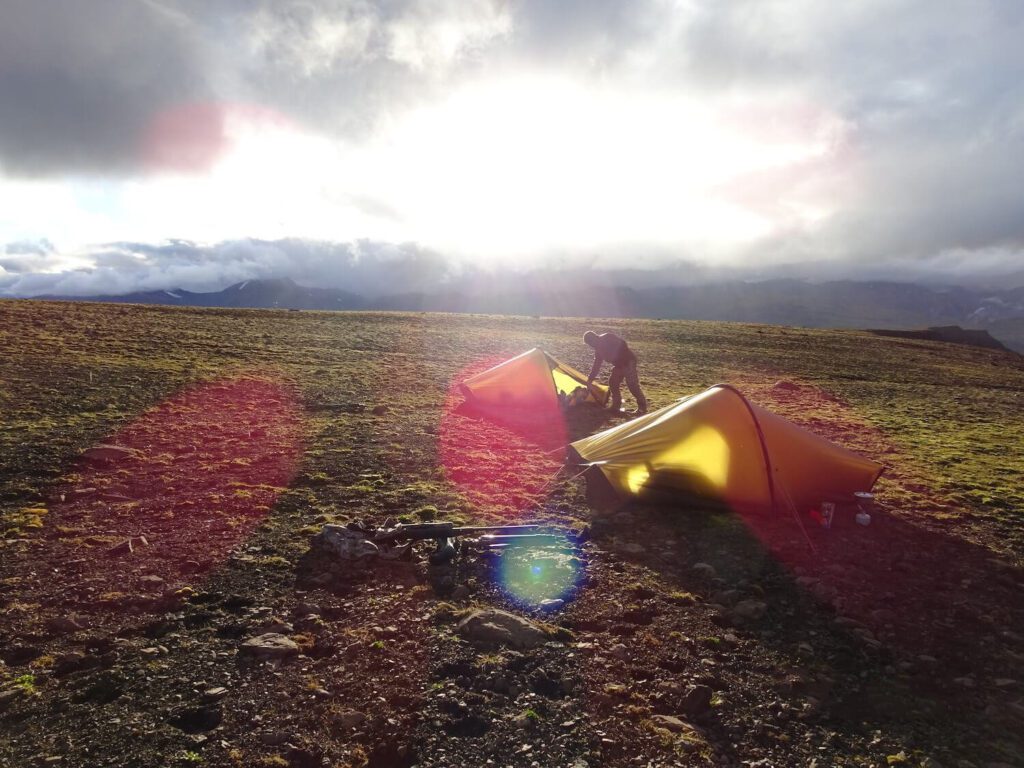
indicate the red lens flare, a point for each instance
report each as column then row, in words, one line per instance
column 501, row 468
column 171, row 494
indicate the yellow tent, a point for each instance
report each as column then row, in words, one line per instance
column 719, row 446
column 531, row 382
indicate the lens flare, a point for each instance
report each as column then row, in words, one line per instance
column 530, row 576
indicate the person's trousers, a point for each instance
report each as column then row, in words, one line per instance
column 628, row 373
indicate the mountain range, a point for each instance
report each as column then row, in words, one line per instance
column 836, row 304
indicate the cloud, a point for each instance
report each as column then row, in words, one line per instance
column 909, row 115
column 363, row 267
column 81, row 82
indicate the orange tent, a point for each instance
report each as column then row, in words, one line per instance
column 531, row 382
column 719, row 446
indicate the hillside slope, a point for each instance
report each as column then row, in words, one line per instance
column 132, row 576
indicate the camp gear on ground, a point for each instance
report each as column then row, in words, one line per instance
column 532, row 383
column 718, row 446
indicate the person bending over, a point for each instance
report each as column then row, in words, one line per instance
column 608, row 346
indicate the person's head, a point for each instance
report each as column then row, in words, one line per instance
column 590, row 338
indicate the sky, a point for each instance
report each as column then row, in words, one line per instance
column 193, row 143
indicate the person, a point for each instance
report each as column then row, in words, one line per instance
column 613, row 348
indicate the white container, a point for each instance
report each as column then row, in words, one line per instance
column 865, row 500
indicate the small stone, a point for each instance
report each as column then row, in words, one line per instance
column 106, row 455
column 308, row 609
column 277, row 626
column 749, row 610
column 631, row 548
column 704, row 571
column 63, row 625
column 697, row 700
column 215, row 694
column 273, row 738
column 197, row 719
column 672, row 723
column 270, row 645
column 10, row 696
column 379, row 410
column 461, row 592
column 348, row 719
column 551, row 604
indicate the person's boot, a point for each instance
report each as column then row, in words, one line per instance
column 616, row 405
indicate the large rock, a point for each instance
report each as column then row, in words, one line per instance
column 270, row 645
column 495, row 627
column 347, row 544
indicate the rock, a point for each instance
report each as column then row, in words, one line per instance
column 631, row 548
column 348, row 719
column 308, row 609
column 276, row 626
column 62, row 625
column 347, row 544
column 197, row 719
column 75, row 661
column 273, row 738
column 619, row 651
column 105, row 688
column 1005, row 682
column 704, row 571
column 697, row 700
column 379, row 410
column 493, row 626
column 270, row 645
column 785, row 386
column 461, row 592
column 672, row 723
column 8, row 697
column 726, row 597
column 107, row 455
column 124, row 548
column 551, row 604
column 215, row 694
column 749, row 610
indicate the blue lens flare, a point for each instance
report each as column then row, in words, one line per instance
column 530, row 575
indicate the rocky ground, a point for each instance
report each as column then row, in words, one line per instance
column 165, row 601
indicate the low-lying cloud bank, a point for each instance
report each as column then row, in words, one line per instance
column 371, row 269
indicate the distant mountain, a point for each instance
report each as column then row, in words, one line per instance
column 281, row 293
column 837, row 304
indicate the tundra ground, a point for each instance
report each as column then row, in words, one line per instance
column 130, row 579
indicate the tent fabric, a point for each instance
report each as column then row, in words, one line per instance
column 530, row 381
column 718, row 446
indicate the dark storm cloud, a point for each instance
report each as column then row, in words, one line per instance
column 930, row 94
column 80, row 82
column 364, row 267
